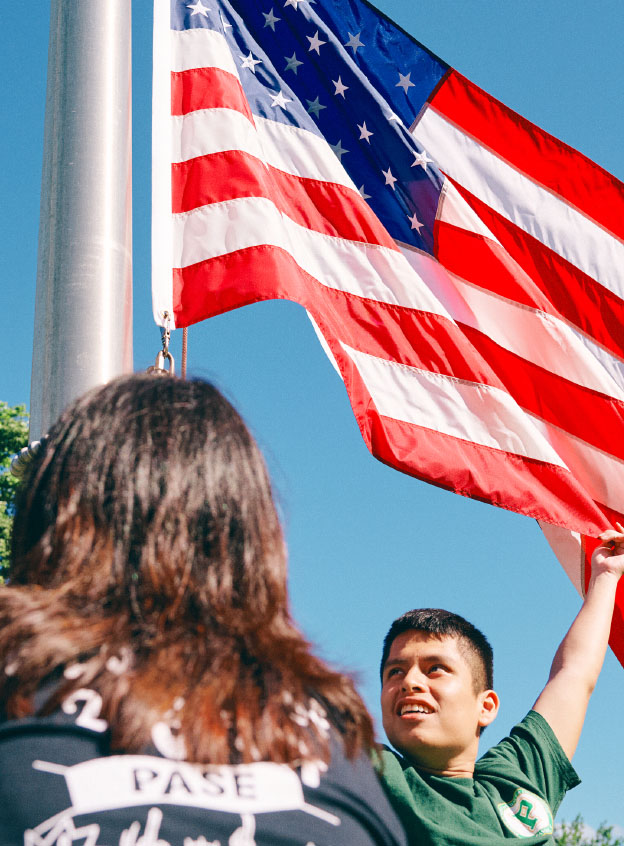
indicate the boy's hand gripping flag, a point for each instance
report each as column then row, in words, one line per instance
column 464, row 268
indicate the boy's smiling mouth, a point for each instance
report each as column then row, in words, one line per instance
column 409, row 708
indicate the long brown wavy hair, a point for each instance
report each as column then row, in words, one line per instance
column 148, row 564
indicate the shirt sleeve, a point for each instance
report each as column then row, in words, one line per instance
column 534, row 750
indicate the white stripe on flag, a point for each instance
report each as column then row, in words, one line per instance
column 200, row 48
column 211, row 131
column 567, row 547
column 300, row 152
column 488, row 416
column 365, row 270
column 454, row 210
column 539, row 338
column 477, row 413
column 288, row 148
column 598, row 472
column 162, row 291
column 608, row 369
column 526, row 204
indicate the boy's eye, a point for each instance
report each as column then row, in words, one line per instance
column 435, row 668
column 393, row 671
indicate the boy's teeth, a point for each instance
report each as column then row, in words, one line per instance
column 411, row 709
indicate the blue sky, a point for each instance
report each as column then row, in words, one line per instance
column 366, row 543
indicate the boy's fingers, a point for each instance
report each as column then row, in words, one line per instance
column 612, row 540
column 609, row 535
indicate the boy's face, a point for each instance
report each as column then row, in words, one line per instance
column 431, row 711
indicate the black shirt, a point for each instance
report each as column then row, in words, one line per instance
column 60, row 784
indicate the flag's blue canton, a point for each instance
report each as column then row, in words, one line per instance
column 346, row 73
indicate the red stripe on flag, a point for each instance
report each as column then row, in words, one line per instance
column 531, row 487
column 544, row 158
column 483, row 262
column 264, row 272
column 541, row 278
column 423, row 340
column 435, row 344
column 586, row 414
column 616, row 637
column 415, row 338
column 507, row 480
column 207, row 88
column 322, row 206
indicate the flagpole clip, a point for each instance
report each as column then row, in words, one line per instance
column 158, row 368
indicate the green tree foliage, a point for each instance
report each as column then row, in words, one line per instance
column 576, row 833
column 13, row 436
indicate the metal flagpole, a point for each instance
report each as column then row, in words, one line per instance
column 83, row 308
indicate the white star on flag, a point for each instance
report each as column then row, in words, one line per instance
column 421, row 159
column 390, row 179
column 280, row 100
column 340, row 87
column 363, row 193
column 270, row 19
column 405, row 82
column 293, row 63
column 250, row 62
column 339, row 149
column 198, row 8
column 365, row 134
column 315, row 106
column 415, row 223
column 293, row 3
column 224, row 22
column 354, row 42
column 315, row 43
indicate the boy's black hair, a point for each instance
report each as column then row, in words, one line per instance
column 440, row 623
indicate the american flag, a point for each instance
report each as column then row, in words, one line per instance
column 463, row 268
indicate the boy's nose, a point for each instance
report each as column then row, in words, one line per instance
column 414, row 680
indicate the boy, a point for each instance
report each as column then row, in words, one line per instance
column 437, row 698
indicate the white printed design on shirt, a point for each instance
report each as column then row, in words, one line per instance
column 242, row 836
column 132, row 836
column 527, row 814
column 166, row 735
column 122, row 781
column 89, row 717
column 61, row 829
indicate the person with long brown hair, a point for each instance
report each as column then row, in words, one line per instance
column 154, row 688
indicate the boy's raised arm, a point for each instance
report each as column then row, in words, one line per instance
column 578, row 661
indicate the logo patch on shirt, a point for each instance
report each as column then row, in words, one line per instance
column 526, row 815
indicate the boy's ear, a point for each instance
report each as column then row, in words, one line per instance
column 489, row 707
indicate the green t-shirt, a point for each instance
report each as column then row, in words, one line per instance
column 516, row 790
